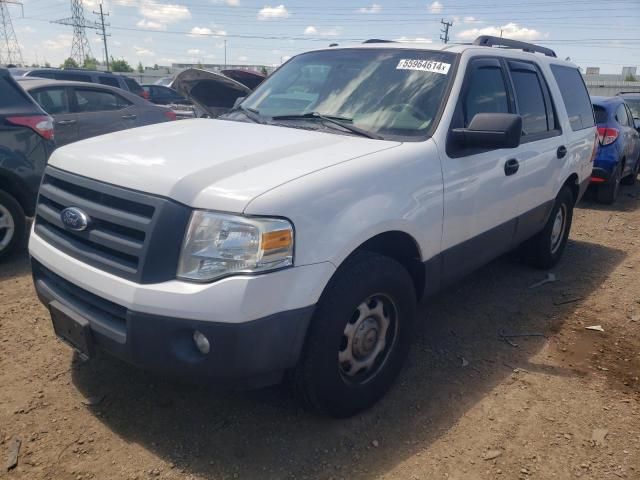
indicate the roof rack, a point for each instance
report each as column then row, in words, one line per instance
column 491, row 41
column 378, row 40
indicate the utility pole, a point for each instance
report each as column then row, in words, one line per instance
column 225, row 54
column 80, row 48
column 104, row 34
column 10, row 53
column 445, row 30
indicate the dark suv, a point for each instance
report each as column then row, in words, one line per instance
column 91, row 76
column 26, row 141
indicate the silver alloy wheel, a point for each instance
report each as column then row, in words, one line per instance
column 559, row 226
column 368, row 338
column 7, row 227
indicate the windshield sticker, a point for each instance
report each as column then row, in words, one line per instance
column 424, row 66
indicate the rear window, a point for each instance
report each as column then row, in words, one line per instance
column 575, row 96
column 111, row 81
column 72, row 77
column 11, row 96
column 601, row 114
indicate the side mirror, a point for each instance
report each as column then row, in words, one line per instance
column 490, row 130
column 238, row 101
column 636, row 121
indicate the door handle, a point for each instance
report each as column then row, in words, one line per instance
column 562, row 151
column 130, row 116
column 65, row 122
column 511, row 166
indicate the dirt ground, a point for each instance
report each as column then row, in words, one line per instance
column 471, row 404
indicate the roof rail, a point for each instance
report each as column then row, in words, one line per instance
column 490, row 41
column 378, row 40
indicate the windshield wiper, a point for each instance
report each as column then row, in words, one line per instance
column 251, row 113
column 340, row 121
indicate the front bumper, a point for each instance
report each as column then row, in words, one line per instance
column 256, row 325
column 249, row 354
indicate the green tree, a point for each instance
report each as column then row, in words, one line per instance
column 199, row 65
column 47, row 65
column 140, row 68
column 90, row 63
column 69, row 63
column 120, row 65
column 630, row 78
column 264, row 70
column 155, row 66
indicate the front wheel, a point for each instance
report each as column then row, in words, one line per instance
column 359, row 336
column 546, row 248
column 633, row 176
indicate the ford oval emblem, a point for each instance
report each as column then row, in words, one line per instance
column 74, row 219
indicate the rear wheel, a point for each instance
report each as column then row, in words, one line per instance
column 359, row 337
column 633, row 177
column 608, row 193
column 546, row 248
column 12, row 224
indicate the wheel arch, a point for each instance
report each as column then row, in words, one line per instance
column 573, row 182
column 16, row 187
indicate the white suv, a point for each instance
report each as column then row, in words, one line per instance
column 293, row 237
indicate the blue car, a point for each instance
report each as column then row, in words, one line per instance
column 618, row 157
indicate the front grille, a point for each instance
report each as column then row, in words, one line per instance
column 131, row 234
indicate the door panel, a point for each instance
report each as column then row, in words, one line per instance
column 55, row 101
column 102, row 111
column 480, row 196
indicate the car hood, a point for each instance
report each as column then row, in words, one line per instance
column 210, row 164
column 213, row 92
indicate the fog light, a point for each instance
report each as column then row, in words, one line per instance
column 201, row 342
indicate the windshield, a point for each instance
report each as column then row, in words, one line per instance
column 388, row 92
column 634, row 105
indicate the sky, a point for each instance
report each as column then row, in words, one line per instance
column 604, row 33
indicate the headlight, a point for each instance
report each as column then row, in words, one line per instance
column 217, row 245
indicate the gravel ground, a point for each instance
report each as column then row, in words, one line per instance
column 563, row 403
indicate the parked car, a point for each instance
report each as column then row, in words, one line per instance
column 215, row 93
column 81, row 110
column 90, row 76
column 618, row 159
column 161, row 95
column 26, row 141
column 293, row 237
column 633, row 101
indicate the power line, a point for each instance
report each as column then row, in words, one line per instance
column 10, row 53
column 104, row 34
column 80, row 48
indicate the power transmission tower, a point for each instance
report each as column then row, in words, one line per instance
column 445, row 30
column 80, row 48
column 9, row 48
column 103, row 33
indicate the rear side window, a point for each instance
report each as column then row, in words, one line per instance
column 11, row 94
column 575, row 96
column 487, row 93
column 90, row 100
column 601, row 114
column 111, row 81
column 133, row 85
column 621, row 115
column 52, row 100
column 530, row 99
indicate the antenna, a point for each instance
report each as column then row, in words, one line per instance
column 445, row 30
column 9, row 48
column 80, row 48
column 104, row 33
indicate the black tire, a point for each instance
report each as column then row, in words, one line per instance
column 545, row 249
column 321, row 382
column 12, row 224
column 608, row 192
column 632, row 178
